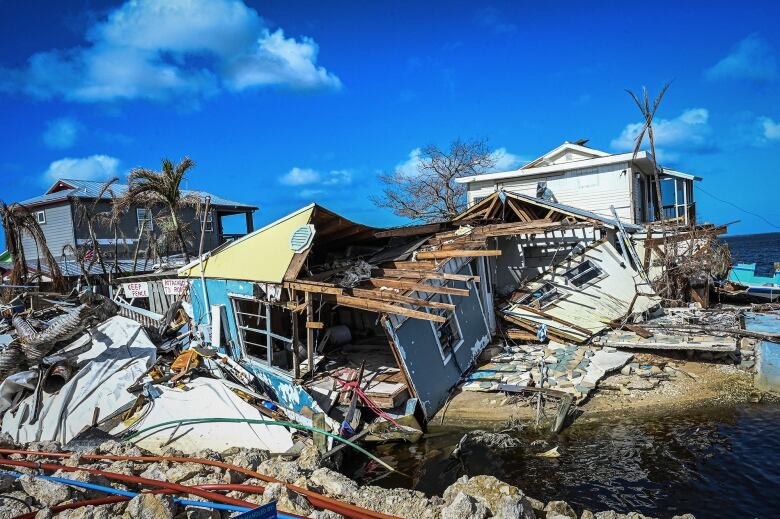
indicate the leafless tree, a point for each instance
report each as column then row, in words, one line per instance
column 431, row 194
column 648, row 113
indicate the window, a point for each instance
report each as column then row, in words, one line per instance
column 264, row 331
column 209, row 222
column 144, row 215
column 40, row 217
column 583, row 273
column 541, row 297
column 477, row 199
column 447, row 333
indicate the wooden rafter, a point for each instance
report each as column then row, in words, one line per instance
column 444, row 254
column 382, row 307
column 395, row 297
column 419, row 274
column 416, row 286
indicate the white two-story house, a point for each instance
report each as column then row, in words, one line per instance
column 594, row 180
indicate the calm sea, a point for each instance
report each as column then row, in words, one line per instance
column 762, row 249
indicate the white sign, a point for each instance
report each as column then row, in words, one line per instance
column 174, row 287
column 136, row 290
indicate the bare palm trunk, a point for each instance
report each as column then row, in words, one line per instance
column 179, row 234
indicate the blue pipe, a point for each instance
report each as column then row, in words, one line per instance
column 116, row 491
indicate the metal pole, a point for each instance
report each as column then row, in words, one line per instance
column 207, row 310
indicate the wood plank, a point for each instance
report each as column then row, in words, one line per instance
column 418, row 274
column 444, row 254
column 461, row 244
column 410, row 265
column 392, row 296
column 420, row 287
column 315, row 325
column 381, row 307
column 311, row 286
column 411, row 230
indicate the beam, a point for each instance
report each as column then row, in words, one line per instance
column 392, row 296
column 419, row 274
column 382, row 307
column 419, row 287
column 444, row 254
column 313, row 286
column 411, row 265
column 411, row 230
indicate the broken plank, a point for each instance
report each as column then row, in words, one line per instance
column 382, row 307
column 444, row 254
column 418, row 287
column 419, row 274
column 410, row 265
column 411, row 230
column 318, row 288
column 315, row 325
column 392, row 296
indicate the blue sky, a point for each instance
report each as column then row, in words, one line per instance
column 281, row 104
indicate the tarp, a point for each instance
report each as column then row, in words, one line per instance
column 206, row 398
column 263, row 256
column 121, row 352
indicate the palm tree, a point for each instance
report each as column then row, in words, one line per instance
column 163, row 188
column 648, row 113
column 18, row 221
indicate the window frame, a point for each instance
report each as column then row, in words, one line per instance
column 209, row 220
column 40, row 216
column 138, row 218
column 241, row 328
column 445, row 357
column 546, row 302
column 593, row 266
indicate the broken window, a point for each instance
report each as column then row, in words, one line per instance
column 541, row 297
column 447, row 333
column 264, row 331
column 583, row 273
column 144, row 215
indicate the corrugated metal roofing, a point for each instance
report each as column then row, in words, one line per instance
column 91, row 189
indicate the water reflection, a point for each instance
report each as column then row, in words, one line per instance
column 712, row 463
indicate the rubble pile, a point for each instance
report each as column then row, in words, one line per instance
column 25, row 491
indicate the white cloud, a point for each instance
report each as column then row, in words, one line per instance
column 314, row 183
column 61, row 133
column 94, row 167
column 750, row 59
column 175, row 49
column 411, row 166
column 770, row 128
column 689, row 132
column 506, row 161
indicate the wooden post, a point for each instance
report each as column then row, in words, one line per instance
column 296, row 342
column 320, row 440
column 309, row 334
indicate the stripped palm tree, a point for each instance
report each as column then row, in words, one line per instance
column 110, row 218
column 648, row 113
column 18, row 221
column 85, row 215
column 150, row 189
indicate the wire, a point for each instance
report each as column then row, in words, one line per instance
column 699, row 188
column 12, row 498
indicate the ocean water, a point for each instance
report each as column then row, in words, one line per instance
column 761, row 249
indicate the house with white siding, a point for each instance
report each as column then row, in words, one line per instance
column 594, row 180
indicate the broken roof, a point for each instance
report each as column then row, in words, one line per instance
column 91, row 189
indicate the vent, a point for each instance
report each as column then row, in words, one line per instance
column 301, row 238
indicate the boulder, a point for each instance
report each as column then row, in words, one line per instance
column 48, row 493
column 560, row 508
column 333, row 483
column 479, row 440
column 149, row 506
column 183, row 471
column 286, row 501
column 309, row 458
column 492, row 493
column 587, row 514
column 463, row 506
column 287, row 471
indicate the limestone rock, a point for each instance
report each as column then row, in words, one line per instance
column 286, row 501
column 479, row 440
column 149, row 506
column 287, row 471
column 48, row 493
column 561, row 508
column 491, row 492
column 587, row 514
column 87, row 512
column 201, row 513
column 463, row 506
column 333, row 483
column 310, row 458
column 183, row 471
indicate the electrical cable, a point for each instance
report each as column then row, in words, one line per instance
column 316, row 499
column 12, row 498
column 737, row 207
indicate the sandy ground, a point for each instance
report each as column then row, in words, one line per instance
column 706, row 383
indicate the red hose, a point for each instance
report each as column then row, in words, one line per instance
column 256, row 489
column 211, row 496
column 314, row 498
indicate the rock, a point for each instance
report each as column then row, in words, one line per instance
column 6, row 483
column 149, row 506
column 119, row 449
column 12, row 507
column 747, row 364
column 464, row 507
column 287, row 471
column 479, row 440
column 245, row 458
column 85, row 477
column 44, row 514
column 7, row 441
column 333, row 483
column 48, row 493
column 535, row 504
column 325, row 514
column 587, row 514
column 86, row 512
column 655, row 370
column 491, row 492
column 201, row 513
column 183, row 471
column 561, row 508
column 153, row 471
column 684, row 516
column 643, row 384
column 286, row 501
column 310, row 458
column 626, row 370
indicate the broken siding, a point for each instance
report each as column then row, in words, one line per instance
column 58, row 231
column 593, row 189
column 432, row 376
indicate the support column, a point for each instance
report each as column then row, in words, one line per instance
column 250, row 226
column 309, row 334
